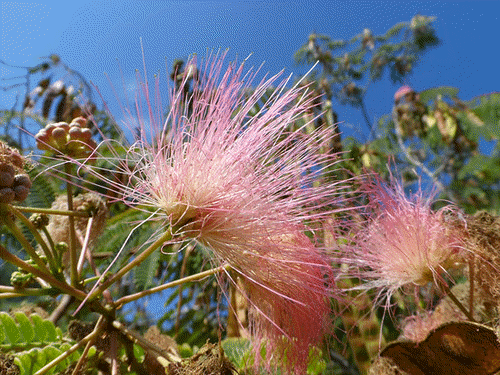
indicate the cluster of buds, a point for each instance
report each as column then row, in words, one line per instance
column 15, row 184
column 74, row 140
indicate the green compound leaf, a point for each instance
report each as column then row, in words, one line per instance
column 36, row 341
column 10, row 328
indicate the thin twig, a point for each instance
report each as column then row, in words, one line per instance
column 117, row 276
column 50, row 211
column 82, row 360
column 421, row 165
column 172, row 284
column 18, row 262
column 457, row 302
column 25, row 291
column 39, row 239
column 72, row 233
column 66, row 301
column 11, row 225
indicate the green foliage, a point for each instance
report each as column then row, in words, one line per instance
column 27, row 332
column 239, row 351
column 35, row 342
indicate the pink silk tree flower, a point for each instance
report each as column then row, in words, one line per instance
column 288, row 313
column 404, row 242
column 242, row 183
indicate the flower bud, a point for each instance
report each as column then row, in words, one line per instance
column 21, row 193
column 75, row 132
column 39, row 220
column 80, row 121
column 7, row 173
column 14, row 183
column 6, row 195
column 69, row 140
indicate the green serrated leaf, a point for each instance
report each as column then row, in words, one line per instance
column 10, row 328
column 25, row 327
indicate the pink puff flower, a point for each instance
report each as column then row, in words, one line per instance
column 241, row 183
column 287, row 283
column 404, row 242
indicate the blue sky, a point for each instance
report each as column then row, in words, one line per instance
column 92, row 37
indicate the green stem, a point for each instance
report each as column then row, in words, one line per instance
column 10, row 292
column 90, row 279
column 57, row 284
column 172, row 284
column 11, row 258
column 25, row 243
column 138, row 260
column 72, row 234
column 38, row 237
column 12, row 289
column 52, row 245
column 50, row 211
